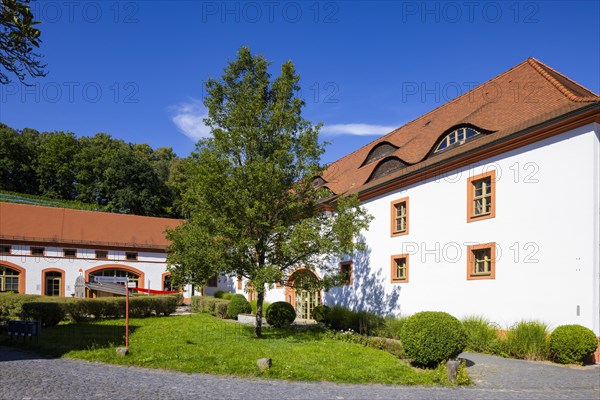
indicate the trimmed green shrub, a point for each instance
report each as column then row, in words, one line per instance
column 572, row 344
column 238, row 305
column 527, row 340
column 280, row 314
column 482, row 335
column 221, row 309
column 266, row 305
column 48, row 313
column 431, row 337
column 206, row 304
column 227, row 295
column 321, row 314
column 219, row 294
column 362, row 322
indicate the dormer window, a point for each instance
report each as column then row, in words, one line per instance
column 386, row 167
column 457, row 136
column 378, row 152
column 318, row 181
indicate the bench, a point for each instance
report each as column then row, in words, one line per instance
column 24, row 329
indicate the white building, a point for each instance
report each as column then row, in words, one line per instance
column 43, row 249
column 487, row 205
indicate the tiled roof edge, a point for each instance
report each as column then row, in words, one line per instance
column 537, row 65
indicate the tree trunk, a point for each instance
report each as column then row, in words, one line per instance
column 260, row 296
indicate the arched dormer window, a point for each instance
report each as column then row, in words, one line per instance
column 386, row 167
column 318, row 181
column 456, row 137
column 379, row 151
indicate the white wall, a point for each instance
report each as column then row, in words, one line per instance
column 153, row 265
column 545, row 229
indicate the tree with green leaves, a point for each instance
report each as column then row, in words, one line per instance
column 55, row 165
column 18, row 38
column 254, row 210
column 113, row 174
column 18, row 156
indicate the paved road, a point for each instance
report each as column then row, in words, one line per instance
column 27, row 376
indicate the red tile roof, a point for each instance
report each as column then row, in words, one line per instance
column 526, row 95
column 19, row 222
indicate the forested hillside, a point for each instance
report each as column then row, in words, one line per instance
column 109, row 173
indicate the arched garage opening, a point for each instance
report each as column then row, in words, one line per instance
column 115, row 270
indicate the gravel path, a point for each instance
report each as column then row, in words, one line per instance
column 28, row 376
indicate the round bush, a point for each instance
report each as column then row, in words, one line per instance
column 238, row 305
column 572, row 344
column 227, row 296
column 219, row 294
column 431, row 337
column 321, row 314
column 281, row 314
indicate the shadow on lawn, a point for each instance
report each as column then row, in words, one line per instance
column 293, row 334
column 61, row 339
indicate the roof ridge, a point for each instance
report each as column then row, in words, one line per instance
column 435, row 109
column 539, row 67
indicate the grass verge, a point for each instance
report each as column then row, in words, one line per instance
column 202, row 343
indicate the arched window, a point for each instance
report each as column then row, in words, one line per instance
column 168, row 283
column 379, row 151
column 386, row 167
column 9, row 280
column 121, row 273
column 457, row 136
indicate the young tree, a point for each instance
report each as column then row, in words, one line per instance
column 18, row 37
column 254, row 210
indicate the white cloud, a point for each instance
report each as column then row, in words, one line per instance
column 188, row 117
column 356, row 129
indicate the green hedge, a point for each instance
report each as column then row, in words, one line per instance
column 51, row 310
column 208, row 304
column 11, row 304
column 48, row 313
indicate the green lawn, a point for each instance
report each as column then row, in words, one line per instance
column 202, row 343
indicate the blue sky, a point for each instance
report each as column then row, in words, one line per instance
column 135, row 69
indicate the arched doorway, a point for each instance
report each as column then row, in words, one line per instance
column 53, row 282
column 301, row 293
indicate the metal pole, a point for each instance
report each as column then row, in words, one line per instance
column 127, row 314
